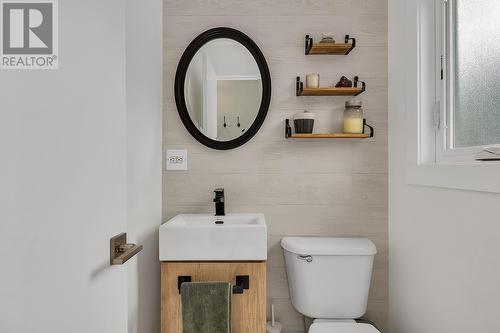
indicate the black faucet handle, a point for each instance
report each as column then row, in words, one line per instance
column 219, row 202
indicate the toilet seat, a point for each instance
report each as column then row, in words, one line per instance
column 342, row 327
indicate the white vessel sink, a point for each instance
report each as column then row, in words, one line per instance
column 204, row 237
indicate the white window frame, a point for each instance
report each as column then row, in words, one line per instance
column 429, row 161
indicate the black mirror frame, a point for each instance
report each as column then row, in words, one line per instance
column 180, row 78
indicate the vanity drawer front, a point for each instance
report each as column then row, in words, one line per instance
column 248, row 309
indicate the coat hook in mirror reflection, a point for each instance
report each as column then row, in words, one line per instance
column 239, row 125
column 225, row 125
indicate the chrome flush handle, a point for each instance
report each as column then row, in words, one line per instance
column 306, row 258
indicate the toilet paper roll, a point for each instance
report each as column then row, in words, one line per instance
column 277, row 328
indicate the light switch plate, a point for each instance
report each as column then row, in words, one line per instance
column 176, row 159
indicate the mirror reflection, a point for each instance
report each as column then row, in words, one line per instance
column 223, row 89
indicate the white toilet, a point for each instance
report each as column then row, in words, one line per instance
column 329, row 279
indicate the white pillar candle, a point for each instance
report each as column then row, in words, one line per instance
column 312, row 81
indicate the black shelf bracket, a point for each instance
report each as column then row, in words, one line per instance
column 347, row 39
column 363, row 85
column 308, row 44
column 288, row 129
column 242, row 283
column 299, row 87
column 372, row 131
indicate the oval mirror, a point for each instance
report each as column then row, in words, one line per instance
column 222, row 88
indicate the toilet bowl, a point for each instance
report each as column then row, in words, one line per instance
column 329, row 280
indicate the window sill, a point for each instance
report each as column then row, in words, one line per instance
column 470, row 176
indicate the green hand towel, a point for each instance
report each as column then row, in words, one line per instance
column 206, row 307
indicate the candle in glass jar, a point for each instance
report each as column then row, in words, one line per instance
column 353, row 117
column 312, row 81
column 353, row 125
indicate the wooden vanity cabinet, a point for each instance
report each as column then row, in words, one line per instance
column 248, row 309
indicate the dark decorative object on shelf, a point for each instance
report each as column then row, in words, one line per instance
column 344, row 83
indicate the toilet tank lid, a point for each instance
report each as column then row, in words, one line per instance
column 329, row 246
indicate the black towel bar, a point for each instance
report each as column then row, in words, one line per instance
column 242, row 283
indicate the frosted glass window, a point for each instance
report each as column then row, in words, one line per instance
column 476, row 88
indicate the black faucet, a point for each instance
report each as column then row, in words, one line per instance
column 219, row 202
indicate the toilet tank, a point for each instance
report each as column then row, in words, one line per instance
column 329, row 277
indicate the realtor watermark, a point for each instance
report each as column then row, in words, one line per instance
column 29, row 34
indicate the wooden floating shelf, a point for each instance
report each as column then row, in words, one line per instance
column 289, row 135
column 329, row 48
column 330, row 91
column 330, row 136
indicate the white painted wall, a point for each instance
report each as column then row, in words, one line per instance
column 444, row 244
column 144, row 159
